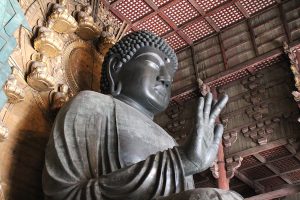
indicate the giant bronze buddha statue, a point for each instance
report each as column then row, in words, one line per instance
column 108, row 147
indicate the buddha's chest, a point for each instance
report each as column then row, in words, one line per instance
column 140, row 139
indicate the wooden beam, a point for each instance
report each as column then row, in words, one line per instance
column 266, row 162
column 272, row 168
column 252, row 37
column 276, row 53
column 275, row 175
column 277, row 193
column 195, row 65
column 285, row 25
column 258, row 149
column 244, row 66
column 255, row 185
column 223, row 53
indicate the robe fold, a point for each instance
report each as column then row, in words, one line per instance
column 101, row 148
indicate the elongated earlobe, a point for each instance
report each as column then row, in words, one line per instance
column 113, row 68
column 116, row 90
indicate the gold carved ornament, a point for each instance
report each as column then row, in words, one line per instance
column 39, row 77
column 60, row 20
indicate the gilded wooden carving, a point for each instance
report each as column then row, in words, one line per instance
column 88, row 29
column 13, row 90
column 53, row 64
column 39, row 77
column 48, row 42
column 60, row 20
column 3, row 132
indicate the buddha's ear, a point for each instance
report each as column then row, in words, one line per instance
column 114, row 66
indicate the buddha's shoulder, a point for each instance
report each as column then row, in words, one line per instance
column 90, row 101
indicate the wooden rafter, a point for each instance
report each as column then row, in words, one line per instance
column 252, row 37
column 277, row 193
column 224, row 57
column 285, row 26
column 259, row 149
column 272, row 168
column 259, row 188
column 195, row 64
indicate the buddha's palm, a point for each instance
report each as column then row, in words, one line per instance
column 201, row 148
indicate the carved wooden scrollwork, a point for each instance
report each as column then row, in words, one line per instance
column 232, row 164
column 215, row 170
column 13, row 90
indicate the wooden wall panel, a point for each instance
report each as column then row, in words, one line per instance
column 208, row 57
column 179, row 120
column 291, row 12
column 185, row 75
column 261, row 102
column 268, row 31
column 237, row 44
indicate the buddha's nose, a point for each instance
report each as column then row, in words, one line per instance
column 164, row 77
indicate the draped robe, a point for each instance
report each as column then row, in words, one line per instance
column 101, row 148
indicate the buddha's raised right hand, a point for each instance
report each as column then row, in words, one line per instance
column 201, row 147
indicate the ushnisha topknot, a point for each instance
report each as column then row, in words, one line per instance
column 128, row 46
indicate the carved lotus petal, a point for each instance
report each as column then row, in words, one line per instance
column 40, row 81
column 3, row 132
column 88, row 30
column 13, row 91
column 62, row 22
column 48, row 44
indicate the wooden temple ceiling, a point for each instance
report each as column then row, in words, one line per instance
column 233, row 46
column 226, row 39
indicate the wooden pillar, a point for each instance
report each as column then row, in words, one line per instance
column 223, row 181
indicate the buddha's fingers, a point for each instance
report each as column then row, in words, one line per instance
column 207, row 106
column 218, row 108
column 218, row 132
column 200, row 112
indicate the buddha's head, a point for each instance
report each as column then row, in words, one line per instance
column 140, row 68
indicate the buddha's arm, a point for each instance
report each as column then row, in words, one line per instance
column 82, row 163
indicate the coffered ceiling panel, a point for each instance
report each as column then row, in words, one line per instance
column 155, row 24
column 189, row 20
column 210, row 4
column 198, row 29
column 254, row 6
column 133, row 9
column 175, row 41
column 227, row 16
column 181, row 12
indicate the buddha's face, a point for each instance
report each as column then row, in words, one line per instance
column 146, row 79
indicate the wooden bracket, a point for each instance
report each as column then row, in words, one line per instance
column 232, row 164
column 229, row 138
